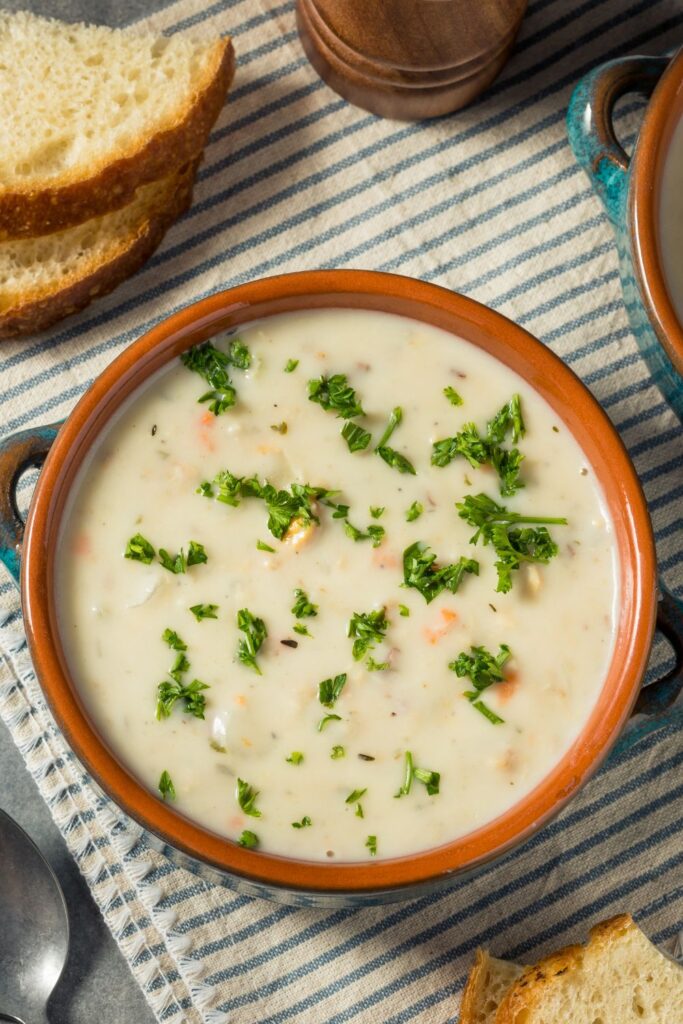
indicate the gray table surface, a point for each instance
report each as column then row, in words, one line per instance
column 97, row 984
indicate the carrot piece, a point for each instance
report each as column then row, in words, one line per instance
column 508, row 687
column 82, row 545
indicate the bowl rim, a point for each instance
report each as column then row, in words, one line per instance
column 663, row 113
column 511, row 344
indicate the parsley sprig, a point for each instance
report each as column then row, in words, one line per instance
column 335, row 394
column 421, row 571
column 255, row 633
column 246, row 796
column 166, row 787
column 212, row 364
column 390, row 455
column 329, row 690
column 168, row 692
column 283, row 506
column 367, row 629
column 478, row 449
column 513, row 545
column 430, row 779
column 302, row 607
column 484, row 669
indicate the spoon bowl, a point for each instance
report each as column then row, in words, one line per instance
column 34, row 927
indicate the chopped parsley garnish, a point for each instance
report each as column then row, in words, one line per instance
column 484, row 709
column 170, row 692
column 166, row 787
column 421, row 572
column 304, row 823
column 394, row 420
column 335, row 394
column 376, row 666
column 246, row 797
column 279, row 428
column 367, row 629
column 174, row 563
column 354, row 798
column 296, row 757
column 390, row 455
column 248, row 839
column 330, row 690
column 452, row 395
column 484, row 669
column 291, row 365
column 239, row 354
column 262, row 546
column 255, row 633
column 376, row 511
column 205, row 489
column 178, row 564
column 513, row 546
column 212, row 364
column 427, row 777
column 170, row 637
column 204, row 611
column 302, row 607
column 371, row 843
column 337, row 752
column 357, row 439
column 283, row 506
column 180, row 666
column 326, row 719
column 374, row 532
column 414, row 512
column 407, row 775
column 478, row 450
column 404, row 610
column 139, row 549
column 302, row 630
column 396, row 460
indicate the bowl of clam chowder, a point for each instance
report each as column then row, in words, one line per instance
column 338, row 583
column 643, row 199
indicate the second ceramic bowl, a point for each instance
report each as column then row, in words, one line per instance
column 630, row 190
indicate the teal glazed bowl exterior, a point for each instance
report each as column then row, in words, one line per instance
column 630, row 192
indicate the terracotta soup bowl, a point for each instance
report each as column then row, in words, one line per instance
column 631, row 191
column 30, row 553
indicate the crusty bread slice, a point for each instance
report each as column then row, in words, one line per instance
column 45, row 279
column 88, row 114
column 488, row 982
column 618, row 977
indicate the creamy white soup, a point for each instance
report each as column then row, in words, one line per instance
column 671, row 221
column 273, row 605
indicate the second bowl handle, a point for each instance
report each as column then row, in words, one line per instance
column 18, row 452
column 659, row 695
column 591, row 129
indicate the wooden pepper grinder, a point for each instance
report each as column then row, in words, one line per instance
column 409, row 59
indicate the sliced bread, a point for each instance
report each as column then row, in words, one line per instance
column 45, row 279
column 618, row 977
column 88, row 114
column 487, row 983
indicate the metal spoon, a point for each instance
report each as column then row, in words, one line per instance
column 34, row 927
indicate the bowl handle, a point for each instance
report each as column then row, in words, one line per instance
column 591, row 129
column 18, row 452
column 656, row 697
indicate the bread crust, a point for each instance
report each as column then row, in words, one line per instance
column 477, row 988
column 524, row 994
column 40, row 310
column 34, row 212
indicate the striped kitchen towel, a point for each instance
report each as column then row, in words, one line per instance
column 488, row 202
